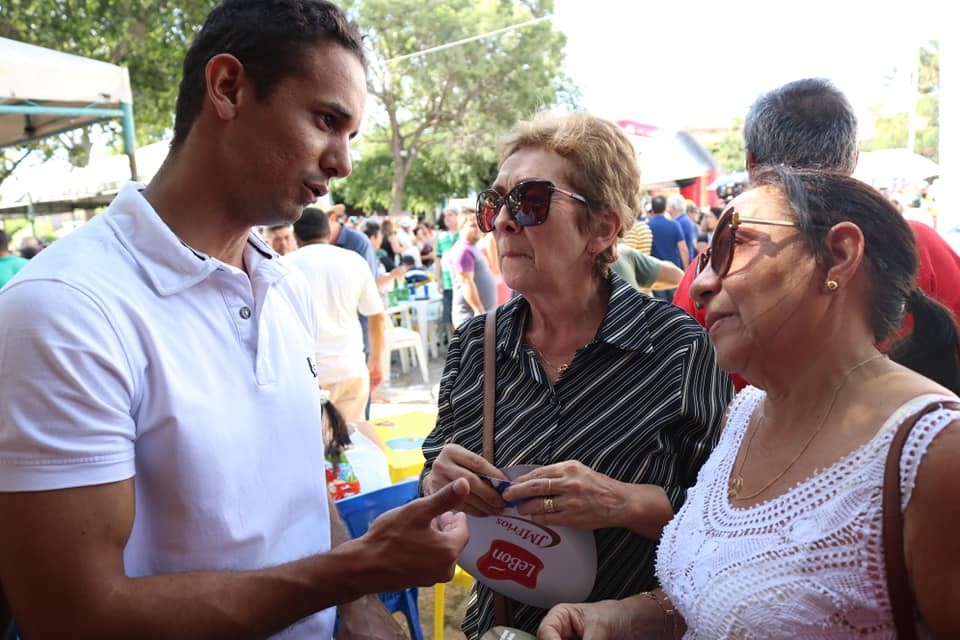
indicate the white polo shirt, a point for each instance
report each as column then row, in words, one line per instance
column 342, row 286
column 125, row 353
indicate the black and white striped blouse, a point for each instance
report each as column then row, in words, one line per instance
column 641, row 403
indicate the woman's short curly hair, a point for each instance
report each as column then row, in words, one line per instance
column 603, row 165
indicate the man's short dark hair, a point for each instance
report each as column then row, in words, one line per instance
column 658, row 204
column 268, row 37
column 4, row 241
column 312, row 225
column 371, row 228
column 806, row 124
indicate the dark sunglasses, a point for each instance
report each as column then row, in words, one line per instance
column 528, row 203
column 719, row 255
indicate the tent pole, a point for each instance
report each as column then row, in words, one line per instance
column 129, row 146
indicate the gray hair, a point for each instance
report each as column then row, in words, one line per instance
column 677, row 202
column 805, row 124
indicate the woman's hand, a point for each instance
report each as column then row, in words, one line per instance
column 639, row 616
column 597, row 621
column 571, row 494
column 455, row 462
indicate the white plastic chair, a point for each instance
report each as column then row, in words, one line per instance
column 400, row 339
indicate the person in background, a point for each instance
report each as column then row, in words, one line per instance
column 488, row 247
column 346, row 238
column 354, row 459
column 10, row 264
column 390, row 245
column 645, row 272
column 703, row 241
column 639, row 236
column 809, row 123
column 445, row 241
column 280, row 238
column 782, row 534
column 387, row 271
column 617, row 396
column 425, row 243
column 159, row 412
column 406, row 242
column 668, row 240
column 30, row 247
column 677, row 211
column 341, row 290
column 474, row 288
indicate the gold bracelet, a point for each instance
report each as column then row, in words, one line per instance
column 670, row 622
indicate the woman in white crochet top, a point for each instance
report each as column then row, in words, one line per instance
column 781, row 535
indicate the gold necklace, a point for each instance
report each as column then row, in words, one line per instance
column 735, row 484
column 559, row 370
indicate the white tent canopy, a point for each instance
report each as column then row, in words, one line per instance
column 57, row 187
column 45, row 92
column 895, row 168
column 667, row 156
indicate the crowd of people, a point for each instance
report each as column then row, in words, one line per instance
column 712, row 394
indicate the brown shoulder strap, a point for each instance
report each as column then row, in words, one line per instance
column 898, row 586
column 489, row 382
column 502, row 609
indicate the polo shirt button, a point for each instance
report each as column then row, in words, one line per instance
column 245, row 313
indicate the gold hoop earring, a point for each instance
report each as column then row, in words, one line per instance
column 832, row 285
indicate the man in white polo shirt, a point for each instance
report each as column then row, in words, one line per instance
column 161, row 457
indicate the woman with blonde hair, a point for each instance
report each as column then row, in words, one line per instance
column 616, row 396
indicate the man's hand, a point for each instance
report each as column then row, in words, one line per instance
column 375, row 367
column 417, row 544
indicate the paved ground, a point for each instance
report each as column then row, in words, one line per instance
column 407, row 391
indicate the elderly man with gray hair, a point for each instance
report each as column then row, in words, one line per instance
column 677, row 210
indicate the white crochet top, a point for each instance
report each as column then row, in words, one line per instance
column 806, row 564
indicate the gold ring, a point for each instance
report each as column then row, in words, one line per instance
column 548, row 505
column 550, row 485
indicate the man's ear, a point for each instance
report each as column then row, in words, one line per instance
column 845, row 244
column 226, row 84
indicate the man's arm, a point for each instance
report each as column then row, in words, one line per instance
column 365, row 617
column 684, row 254
column 669, row 276
column 470, row 293
column 61, row 565
column 375, row 360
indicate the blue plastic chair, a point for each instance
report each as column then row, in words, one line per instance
column 357, row 513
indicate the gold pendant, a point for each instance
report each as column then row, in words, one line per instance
column 734, row 486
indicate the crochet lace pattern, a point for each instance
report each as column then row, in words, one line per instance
column 806, row 564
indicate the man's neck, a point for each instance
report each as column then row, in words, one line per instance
column 189, row 202
column 335, row 229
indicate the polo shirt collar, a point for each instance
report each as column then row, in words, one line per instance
column 625, row 325
column 170, row 265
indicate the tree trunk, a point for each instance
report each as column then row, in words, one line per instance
column 402, row 161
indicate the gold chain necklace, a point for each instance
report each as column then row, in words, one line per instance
column 735, row 484
column 559, row 370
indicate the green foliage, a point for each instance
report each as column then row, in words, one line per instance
column 729, row 150
column 892, row 131
column 12, row 226
column 437, row 116
column 149, row 37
